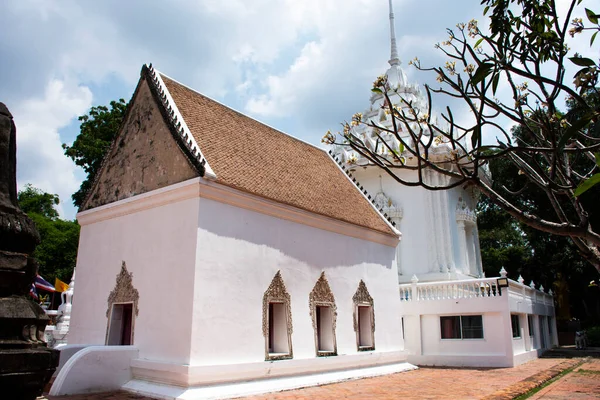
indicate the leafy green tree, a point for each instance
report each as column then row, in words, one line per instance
column 97, row 130
column 524, row 54
column 554, row 261
column 57, row 252
column 502, row 241
column 549, row 260
column 33, row 200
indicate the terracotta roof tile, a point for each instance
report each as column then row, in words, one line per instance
column 258, row 159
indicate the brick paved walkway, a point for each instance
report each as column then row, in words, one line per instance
column 436, row 383
column 582, row 383
column 424, row 383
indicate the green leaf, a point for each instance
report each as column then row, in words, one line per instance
column 597, row 155
column 477, row 43
column 587, row 184
column 593, row 17
column 483, row 70
column 401, row 148
column 376, row 90
column 593, row 38
column 495, row 83
column 582, row 61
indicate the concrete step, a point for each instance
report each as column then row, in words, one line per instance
column 572, row 352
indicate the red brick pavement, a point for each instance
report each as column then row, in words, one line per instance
column 582, row 383
column 424, row 383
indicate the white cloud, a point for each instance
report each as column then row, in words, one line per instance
column 300, row 64
column 330, row 77
column 41, row 160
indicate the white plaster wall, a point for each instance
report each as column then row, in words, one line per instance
column 417, row 248
column 519, row 303
column 238, row 254
column 158, row 246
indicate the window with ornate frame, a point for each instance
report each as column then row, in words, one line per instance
column 364, row 318
column 323, row 313
column 122, row 310
column 277, row 321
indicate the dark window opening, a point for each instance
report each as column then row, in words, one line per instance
column 462, row 327
column 516, row 326
column 278, row 336
column 121, row 325
column 365, row 332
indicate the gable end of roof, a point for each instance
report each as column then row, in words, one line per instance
column 174, row 120
column 168, row 113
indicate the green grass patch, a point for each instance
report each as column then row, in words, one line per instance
column 588, row 371
column 548, row 382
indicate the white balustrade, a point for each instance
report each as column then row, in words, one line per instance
column 464, row 289
column 471, row 288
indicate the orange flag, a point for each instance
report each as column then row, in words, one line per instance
column 60, row 286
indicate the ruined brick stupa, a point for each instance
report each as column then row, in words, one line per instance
column 26, row 363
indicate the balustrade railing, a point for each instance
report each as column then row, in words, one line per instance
column 529, row 294
column 470, row 288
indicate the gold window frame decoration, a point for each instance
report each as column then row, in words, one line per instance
column 363, row 298
column 321, row 295
column 277, row 293
column 123, row 293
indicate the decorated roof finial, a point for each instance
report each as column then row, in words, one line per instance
column 394, row 60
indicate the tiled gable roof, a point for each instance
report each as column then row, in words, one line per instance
column 250, row 156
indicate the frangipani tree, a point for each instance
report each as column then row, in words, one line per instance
column 524, row 54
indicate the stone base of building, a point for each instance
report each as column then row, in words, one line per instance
column 234, row 390
column 188, row 376
column 107, row 368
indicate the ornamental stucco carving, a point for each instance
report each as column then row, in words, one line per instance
column 385, row 204
column 124, row 292
column 464, row 213
column 321, row 295
column 362, row 298
column 277, row 293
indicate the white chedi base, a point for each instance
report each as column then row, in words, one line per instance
column 60, row 332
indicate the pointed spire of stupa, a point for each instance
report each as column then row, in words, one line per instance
column 394, row 60
column 395, row 76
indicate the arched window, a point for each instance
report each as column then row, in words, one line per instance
column 323, row 313
column 277, row 321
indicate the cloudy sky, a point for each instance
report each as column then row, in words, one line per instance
column 301, row 66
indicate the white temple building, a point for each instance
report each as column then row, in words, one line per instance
column 452, row 315
column 214, row 266
column 206, row 258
